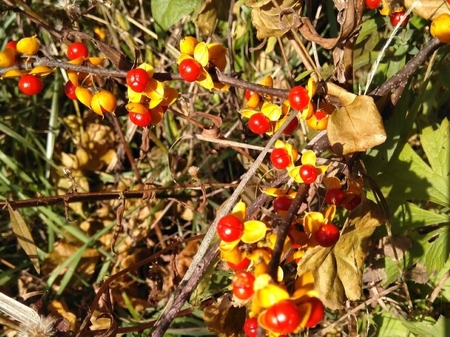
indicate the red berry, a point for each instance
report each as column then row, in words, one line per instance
column 241, row 265
column 308, row 173
column 69, row 90
column 280, row 158
column 251, row 327
column 141, row 120
column 137, row 79
column 292, row 126
column 230, row 228
column 396, row 17
column 334, row 196
column 298, row 98
column 242, row 285
column 373, row 4
column 282, row 203
column 282, row 317
column 11, row 44
column 259, row 123
column 30, row 85
column 76, row 50
column 190, row 70
column 355, row 201
column 317, row 312
column 327, row 235
column 249, row 93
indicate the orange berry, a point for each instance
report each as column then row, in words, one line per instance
column 7, row 57
column 103, row 101
column 28, row 45
column 440, row 28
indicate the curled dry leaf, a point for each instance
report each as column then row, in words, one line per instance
column 223, row 319
column 429, row 9
column 338, row 270
column 266, row 16
column 356, row 126
column 349, row 17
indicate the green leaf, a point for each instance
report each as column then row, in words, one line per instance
column 388, row 325
column 435, row 249
column 431, row 250
column 409, row 177
column 408, row 216
column 168, row 12
column 428, row 327
column 24, row 237
column 436, row 146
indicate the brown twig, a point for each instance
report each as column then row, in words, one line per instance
column 343, row 318
column 438, row 289
column 283, row 228
column 105, row 195
column 410, row 67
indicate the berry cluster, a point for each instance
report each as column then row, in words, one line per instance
column 18, row 52
column 198, row 59
column 349, row 198
column 247, row 247
column 285, row 156
column 148, row 97
column 396, row 15
column 266, row 117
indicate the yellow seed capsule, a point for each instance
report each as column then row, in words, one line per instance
column 440, row 28
column 7, row 58
column 28, row 45
column 136, row 108
column 187, row 45
column 103, row 101
column 41, row 71
column 84, row 95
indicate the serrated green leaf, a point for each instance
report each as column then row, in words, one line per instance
column 409, row 177
column 431, row 250
column 436, row 146
column 24, row 237
column 168, row 12
column 428, row 327
column 388, row 325
column 408, row 216
column 436, row 250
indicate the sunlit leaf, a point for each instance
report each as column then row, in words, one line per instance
column 24, row 237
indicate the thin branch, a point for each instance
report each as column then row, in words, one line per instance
column 106, row 195
column 343, row 318
column 410, row 67
column 283, row 228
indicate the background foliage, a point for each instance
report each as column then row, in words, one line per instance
column 41, row 135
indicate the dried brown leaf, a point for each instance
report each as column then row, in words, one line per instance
column 356, row 126
column 62, row 251
column 349, row 17
column 224, row 319
column 24, row 237
column 338, row 270
column 211, row 11
column 418, row 273
column 266, row 16
column 429, row 9
column 402, row 245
